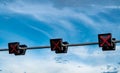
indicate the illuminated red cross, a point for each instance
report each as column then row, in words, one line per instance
column 14, row 46
column 105, row 40
column 56, row 45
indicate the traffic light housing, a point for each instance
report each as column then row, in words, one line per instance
column 16, row 49
column 13, row 47
column 106, row 42
column 58, row 46
column 65, row 47
column 113, row 43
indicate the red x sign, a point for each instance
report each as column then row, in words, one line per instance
column 104, row 40
column 13, row 47
column 56, row 44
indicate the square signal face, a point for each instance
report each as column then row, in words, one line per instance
column 13, row 47
column 56, row 44
column 105, row 40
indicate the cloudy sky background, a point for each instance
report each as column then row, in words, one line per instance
column 34, row 23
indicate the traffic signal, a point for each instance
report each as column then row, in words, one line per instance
column 106, row 42
column 13, row 47
column 112, row 47
column 58, row 46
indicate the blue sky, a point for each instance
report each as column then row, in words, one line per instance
column 34, row 23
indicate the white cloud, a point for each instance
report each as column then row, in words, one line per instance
column 41, row 31
column 31, row 63
column 13, row 37
column 54, row 18
column 59, row 17
column 97, row 55
column 112, row 7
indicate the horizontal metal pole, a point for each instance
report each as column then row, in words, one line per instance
column 83, row 44
column 38, row 47
column 69, row 45
column 3, row 49
column 117, row 41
